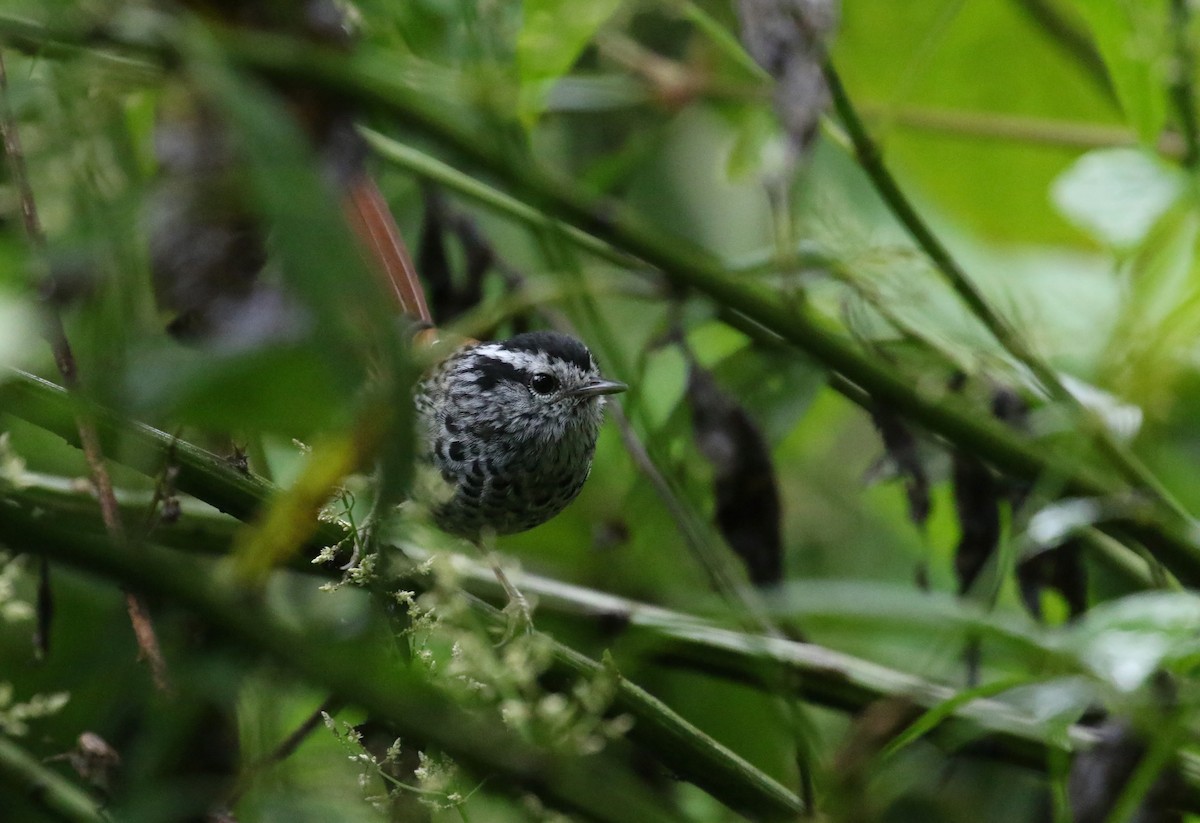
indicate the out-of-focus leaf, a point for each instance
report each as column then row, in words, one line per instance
column 553, row 35
column 747, row 495
column 858, row 604
column 289, row 389
column 1126, row 641
column 787, row 38
column 18, row 325
column 602, row 93
column 1120, row 417
column 754, row 130
column 1154, row 339
column 1099, row 775
column 1117, row 195
column 1056, row 522
column 1058, row 702
column 1060, row 521
column 1134, row 39
column 666, row 372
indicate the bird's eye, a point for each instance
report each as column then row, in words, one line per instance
column 543, row 383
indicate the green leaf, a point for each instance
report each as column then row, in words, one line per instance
column 931, row 719
column 1132, row 36
column 18, row 325
column 1117, row 195
column 553, row 35
column 1126, row 641
column 289, row 389
column 666, row 371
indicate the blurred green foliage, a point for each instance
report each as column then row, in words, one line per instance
column 1050, row 170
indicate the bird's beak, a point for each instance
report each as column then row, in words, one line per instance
column 595, row 388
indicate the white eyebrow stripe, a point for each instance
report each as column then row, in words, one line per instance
column 497, row 352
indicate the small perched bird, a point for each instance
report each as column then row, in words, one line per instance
column 509, row 429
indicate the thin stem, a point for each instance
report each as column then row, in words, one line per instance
column 1040, row 131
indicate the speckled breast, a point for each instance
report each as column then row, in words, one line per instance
column 511, row 492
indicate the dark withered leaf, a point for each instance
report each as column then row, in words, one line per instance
column 450, row 295
column 787, row 38
column 1098, row 776
column 478, row 255
column 1059, row 568
column 44, row 610
column 1011, row 409
column 433, row 260
column 979, row 492
column 977, row 497
column 901, row 446
column 747, row 496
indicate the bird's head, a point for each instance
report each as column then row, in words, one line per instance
column 546, row 382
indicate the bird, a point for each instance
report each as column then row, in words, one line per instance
column 507, row 432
